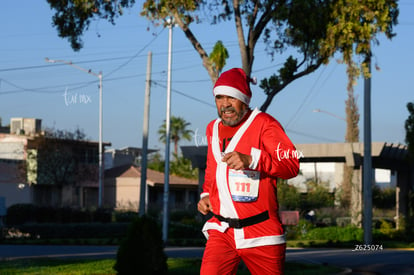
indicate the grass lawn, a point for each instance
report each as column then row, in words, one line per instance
column 175, row 266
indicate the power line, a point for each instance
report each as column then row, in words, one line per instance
column 135, row 55
column 130, row 58
column 41, row 90
column 306, row 98
column 188, row 81
column 185, row 95
column 311, row 91
column 311, row 136
column 44, row 89
column 128, row 61
column 79, row 85
column 60, row 64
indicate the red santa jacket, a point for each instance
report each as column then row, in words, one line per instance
column 241, row 194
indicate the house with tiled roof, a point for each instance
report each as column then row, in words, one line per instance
column 122, row 188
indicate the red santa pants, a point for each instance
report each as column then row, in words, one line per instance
column 221, row 256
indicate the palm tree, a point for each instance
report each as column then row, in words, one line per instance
column 218, row 56
column 178, row 131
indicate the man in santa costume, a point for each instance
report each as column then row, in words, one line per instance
column 248, row 151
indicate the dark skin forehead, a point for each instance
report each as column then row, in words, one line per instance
column 233, row 99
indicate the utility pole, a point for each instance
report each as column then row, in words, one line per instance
column 167, row 140
column 367, row 165
column 101, row 170
column 142, row 199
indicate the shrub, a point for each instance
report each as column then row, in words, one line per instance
column 125, row 216
column 318, row 196
column 141, row 252
column 328, row 216
column 288, row 196
column 383, row 198
column 187, row 231
column 295, row 232
column 183, row 216
column 344, row 234
column 102, row 215
column 20, row 213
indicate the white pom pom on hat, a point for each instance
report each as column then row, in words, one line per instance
column 234, row 83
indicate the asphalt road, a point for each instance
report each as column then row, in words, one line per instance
column 386, row 261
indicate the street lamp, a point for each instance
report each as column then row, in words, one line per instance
column 367, row 164
column 167, row 139
column 99, row 76
column 328, row 113
column 367, row 160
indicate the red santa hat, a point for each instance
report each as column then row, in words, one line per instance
column 234, row 83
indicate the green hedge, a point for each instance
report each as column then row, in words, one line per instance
column 74, row 231
column 28, row 213
column 344, row 234
column 53, row 223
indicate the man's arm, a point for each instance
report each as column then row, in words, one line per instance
column 277, row 156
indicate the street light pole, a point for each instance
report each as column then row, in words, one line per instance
column 99, row 76
column 167, row 141
column 367, row 164
column 101, row 173
column 144, row 158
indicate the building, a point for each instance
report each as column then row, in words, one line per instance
column 123, row 156
column 40, row 169
column 123, row 186
column 45, row 170
column 14, row 187
column 331, row 173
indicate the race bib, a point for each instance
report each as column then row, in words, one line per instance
column 244, row 185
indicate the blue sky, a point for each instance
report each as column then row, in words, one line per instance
column 67, row 98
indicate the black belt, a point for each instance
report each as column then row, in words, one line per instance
column 239, row 223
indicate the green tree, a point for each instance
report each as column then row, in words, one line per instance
column 182, row 167
column 218, row 56
column 305, row 32
column 383, row 198
column 288, row 196
column 60, row 159
column 78, row 134
column 351, row 135
column 318, row 196
column 178, row 131
column 55, row 161
column 156, row 162
column 409, row 139
column 409, row 130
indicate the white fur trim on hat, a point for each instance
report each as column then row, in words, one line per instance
column 231, row 91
